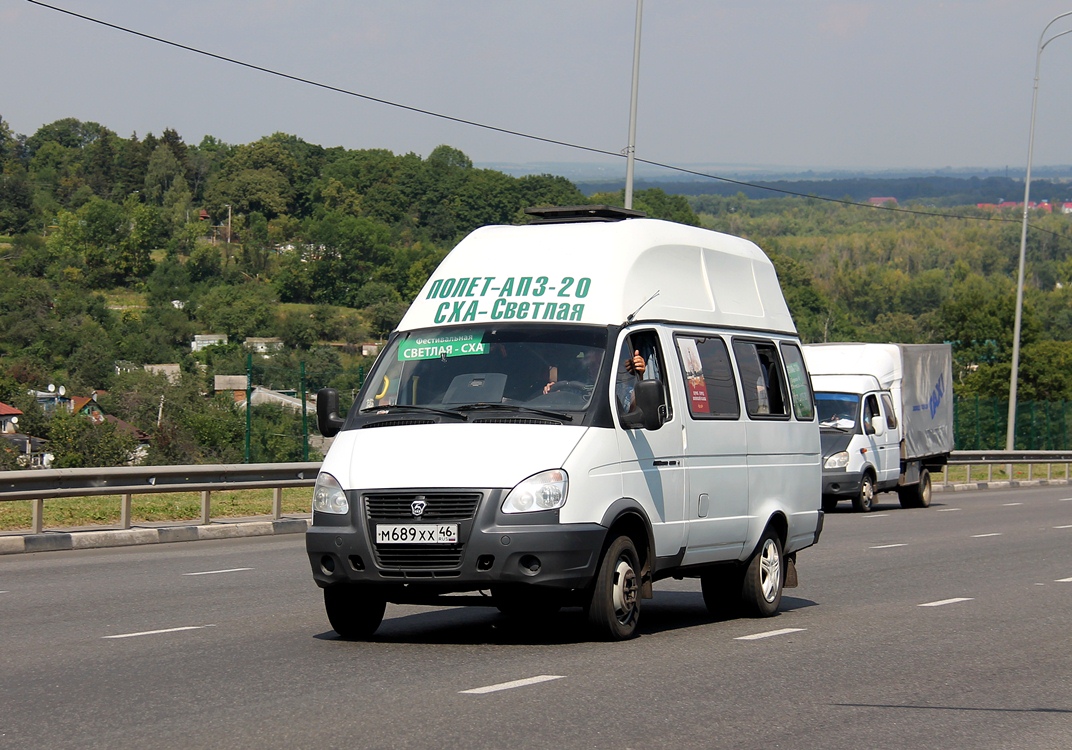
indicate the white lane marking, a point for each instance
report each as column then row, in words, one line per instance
column 158, row 632
column 512, row 685
column 768, row 634
column 214, row 572
column 1009, row 505
column 1069, row 526
column 982, row 536
column 943, row 602
column 947, row 510
column 1065, row 499
column 1063, row 580
column 889, row 546
column 877, row 515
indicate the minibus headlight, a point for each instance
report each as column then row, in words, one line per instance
column 837, row 461
column 328, row 496
column 543, row 491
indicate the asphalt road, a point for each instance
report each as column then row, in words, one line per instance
column 944, row 627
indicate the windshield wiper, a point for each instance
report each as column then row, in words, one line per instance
column 518, row 408
column 413, row 407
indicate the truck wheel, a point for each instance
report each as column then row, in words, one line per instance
column 761, row 593
column 866, row 498
column 353, row 611
column 917, row 495
column 722, row 592
column 528, row 602
column 614, row 607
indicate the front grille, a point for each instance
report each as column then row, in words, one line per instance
column 431, row 556
column 420, row 560
column 438, row 507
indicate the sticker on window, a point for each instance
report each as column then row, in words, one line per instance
column 433, row 347
column 694, row 377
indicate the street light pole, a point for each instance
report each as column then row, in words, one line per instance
column 630, row 150
column 1010, row 433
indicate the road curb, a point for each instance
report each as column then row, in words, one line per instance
column 55, row 541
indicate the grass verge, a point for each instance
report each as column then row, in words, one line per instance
column 68, row 512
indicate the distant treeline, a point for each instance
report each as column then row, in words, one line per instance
column 934, row 190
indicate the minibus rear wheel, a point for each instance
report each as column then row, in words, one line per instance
column 353, row 611
column 764, row 577
column 614, row 607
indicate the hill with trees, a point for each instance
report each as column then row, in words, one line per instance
column 115, row 252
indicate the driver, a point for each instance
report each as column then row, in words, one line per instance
column 590, row 362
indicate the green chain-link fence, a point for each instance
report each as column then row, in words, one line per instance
column 981, row 423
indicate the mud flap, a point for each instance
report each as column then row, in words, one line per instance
column 790, row 573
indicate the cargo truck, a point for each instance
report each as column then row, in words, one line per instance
column 885, row 419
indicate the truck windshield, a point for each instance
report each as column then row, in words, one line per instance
column 550, row 368
column 837, row 410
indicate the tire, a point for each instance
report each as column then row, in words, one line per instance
column 354, row 612
column 722, row 592
column 865, row 501
column 829, row 503
column 614, row 605
column 764, row 578
column 528, row 603
column 917, row 495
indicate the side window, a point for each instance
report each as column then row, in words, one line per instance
column 871, row 412
column 891, row 415
column 639, row 358
column 761, row 378
column 799, row 385
column 709, row 381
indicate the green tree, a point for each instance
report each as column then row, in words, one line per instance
column 76, row 442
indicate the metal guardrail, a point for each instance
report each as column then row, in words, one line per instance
column 126, row 481
column 42, row 484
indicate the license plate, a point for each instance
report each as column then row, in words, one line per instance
column 417, row 533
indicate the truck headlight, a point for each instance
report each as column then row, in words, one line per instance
column 543, row 491
column 837, row 461
column 328, row 496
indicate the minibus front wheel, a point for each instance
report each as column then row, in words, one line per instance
column 354, row 611
column 614, row 608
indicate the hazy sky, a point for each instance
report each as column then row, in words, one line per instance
column 782, row 83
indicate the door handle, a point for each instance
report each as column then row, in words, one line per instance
column 661, row 462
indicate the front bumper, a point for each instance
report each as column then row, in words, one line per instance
column 841, row 483
column 493, row 548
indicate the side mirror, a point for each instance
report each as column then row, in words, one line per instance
column 328, row 420
column 649, row 400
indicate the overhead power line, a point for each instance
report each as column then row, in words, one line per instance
column 508, row 131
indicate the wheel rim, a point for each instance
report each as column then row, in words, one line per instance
column 770, row 570
column 625, row 591
column 867, row 493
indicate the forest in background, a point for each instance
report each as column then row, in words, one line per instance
column 115, row 251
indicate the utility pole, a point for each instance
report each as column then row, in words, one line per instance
column 630, row 150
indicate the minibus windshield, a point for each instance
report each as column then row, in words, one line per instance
column 524, row 367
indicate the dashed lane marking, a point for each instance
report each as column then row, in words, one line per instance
column 947, row 510
column 1009, row 505
column 889, row 546
column 511, row 685
column 214, row 572
column 1063, row 580
column 768, row 634
column 1067, row 526
column 944, row 602
column 983, row 536
column 158, row 632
